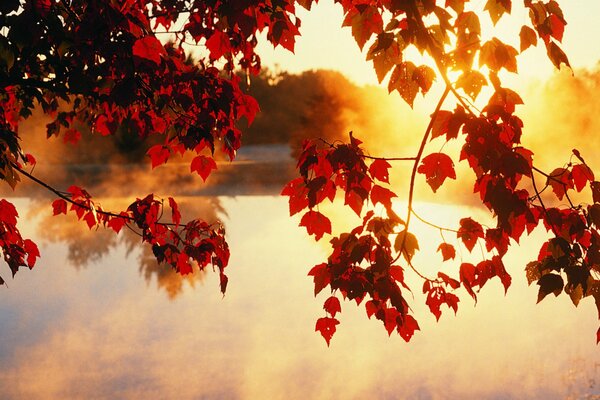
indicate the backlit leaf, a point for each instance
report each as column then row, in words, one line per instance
column 406, row 243
column 332, row 306
column 528, row 38
column 203, row 165
column 471, row 82
column 448, row 251
column 148, row 48
column 437, row 167
column 326, row 326
column 316, row 224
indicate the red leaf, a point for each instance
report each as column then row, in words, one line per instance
column 437, row 167
column 248, row 108
column 560, row 180
column 371, row 308
column 148, row 48
column 297, row 191
column 316, row 224
column 30, row 159
column 159, row 155
column 448, row 251
column 354, row 200
column 103, row 126
column 59, row 206
column 8, row 212
column 440, row 123
column 379, row 170
column 183, row 264
column 223, row 280
column 467, row 277
column 320, row 276
column 90, row 219
column 218, row 44
column 203, row 166
column 453, row 283
column 469, row 232
column 382, row 195
column 176, row 215
column 32, row 252
column 582, row 174
column 332, row 306
column 327, row 327
column 73, row 136
column 117, row 223
column 408, row 327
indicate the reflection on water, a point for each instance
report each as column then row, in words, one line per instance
column 101, row 332
column 85, row 247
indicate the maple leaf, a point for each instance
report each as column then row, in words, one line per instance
column 117, row 223
column 32, row 251
column 59, row 206
column 528, row 38
column 176, row 215
column 403, row 80
column 550, row 283
column 557, row 56
column 297, row 192
column 561, row 180
column 218, row 44
column 8, row 212
column 316, row 224
column 365, row 20
column 149, row 48
column 448, row 251
column 321, row 277
column 326, row 326
column 582, row 174
column 469, row 231
column 406, row 243
column 437, row 167
column 408, row 327
column 379, row 170
column 159, row 154
column 332, row 306
column 203, row 165
column 382, row 195
column 471, row 82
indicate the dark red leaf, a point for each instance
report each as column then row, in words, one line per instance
column 332, row 306
column 175, row 214
column 469, row 231
column 59, row 206
column 148, row 48
column 326, row 326
column 316, row 224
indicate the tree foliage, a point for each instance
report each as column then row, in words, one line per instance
column 109, row 64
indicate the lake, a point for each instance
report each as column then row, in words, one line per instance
column 97, row 319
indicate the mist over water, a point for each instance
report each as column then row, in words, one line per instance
column 103, row 331
column 97, row 318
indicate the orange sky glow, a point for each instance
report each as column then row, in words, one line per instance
column 325, row 44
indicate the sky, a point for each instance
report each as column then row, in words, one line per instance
column 325, row 44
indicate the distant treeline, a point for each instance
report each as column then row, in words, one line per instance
column 298, row 106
